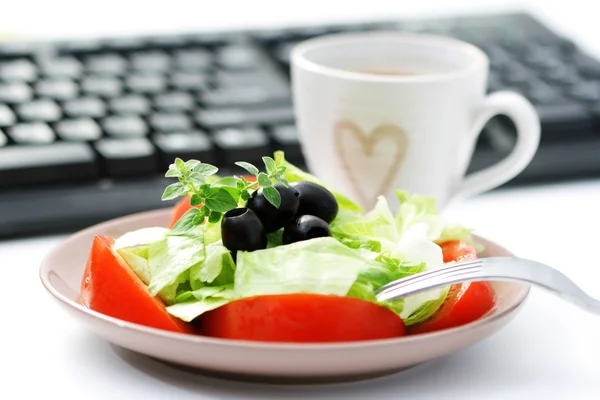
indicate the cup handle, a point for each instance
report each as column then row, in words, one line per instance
column 527, row 122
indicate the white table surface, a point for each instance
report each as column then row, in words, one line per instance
column 550, row 351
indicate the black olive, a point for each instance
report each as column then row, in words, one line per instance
column 316, row 200
column 305, row 227
column 271, row 217
column 242, row 230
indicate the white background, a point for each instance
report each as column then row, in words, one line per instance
column 550, row 351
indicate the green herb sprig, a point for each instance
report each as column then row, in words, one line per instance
column 218, row 196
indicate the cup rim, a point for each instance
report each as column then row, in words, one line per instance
column 299, row 59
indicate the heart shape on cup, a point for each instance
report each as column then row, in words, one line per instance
column 372, row 161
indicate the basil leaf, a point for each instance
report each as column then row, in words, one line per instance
column 220, row 200
column 173, row 191
column 248, row 167
column 272, row 196
column 179, row 164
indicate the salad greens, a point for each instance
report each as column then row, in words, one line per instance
column 191, row 270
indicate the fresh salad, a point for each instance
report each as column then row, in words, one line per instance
column 276, row 255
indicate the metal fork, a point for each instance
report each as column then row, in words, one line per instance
column 491, row 269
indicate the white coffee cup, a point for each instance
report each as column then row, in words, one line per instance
column 383, row 111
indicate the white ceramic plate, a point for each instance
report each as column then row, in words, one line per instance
column 61, row 273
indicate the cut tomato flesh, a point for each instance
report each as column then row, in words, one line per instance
column 109, row 286
column 465, row 302
column 307, row 318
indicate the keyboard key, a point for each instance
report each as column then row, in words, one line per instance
column 163, row 122
column 7, row 117
column 517, row 75
column 127, row 157
column 53, row 163
column 175, row 101
column 34, row 133
column 85, row 107
column 13, row 93
column 39, row 110
column 248, row 144
column 146, row 83
column 125, row 44
column 564, row 76
column 62, row 67
column 131, row 104
column 151, row 61
column 249, row 79
column 186, row 145
column 214, row 118
column 564, row 117
column 18, row 70
column 586, row 65
column 106, row 64
column 78, row 130
column 126, row 126
column 102, row 86
column 3, row 139
column 586, row 91
column 57, row 89
column 237, row 57
column 541, row 93
column 189, row 81
column 249, row 95
column 194, row 60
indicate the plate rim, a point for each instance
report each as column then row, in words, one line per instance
column 43, row 274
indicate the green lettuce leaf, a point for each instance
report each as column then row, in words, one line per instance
column 415, row 209
column 320, row 266
column 137, row 259
column 211, row 266
column 190, row 305
column 378, row 225
column 294, row 174
column 173, row 256
column 140, row 237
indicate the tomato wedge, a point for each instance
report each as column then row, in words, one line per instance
column 110, row 287
column 465, row 302
column 307, row 318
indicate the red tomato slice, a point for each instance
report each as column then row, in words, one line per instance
column 465, row 302
column 308, row 318
column 456, row 250
column 110, row 287
column 184, row 205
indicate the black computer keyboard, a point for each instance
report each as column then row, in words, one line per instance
column 88, row 128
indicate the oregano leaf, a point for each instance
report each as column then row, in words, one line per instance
column 269, row 164
column 185, row 223
column 173, row 191
column 263, row 180
column 272, row 196
column 248, row 167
